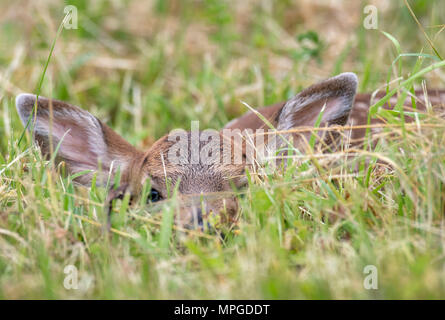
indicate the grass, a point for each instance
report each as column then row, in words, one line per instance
column 146, row 67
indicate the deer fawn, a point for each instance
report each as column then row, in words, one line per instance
column 85, row 143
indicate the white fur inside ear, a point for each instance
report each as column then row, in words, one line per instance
column 82, row 132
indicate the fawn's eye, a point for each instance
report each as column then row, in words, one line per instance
column 154, row 196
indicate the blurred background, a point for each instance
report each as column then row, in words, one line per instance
column 148, row 66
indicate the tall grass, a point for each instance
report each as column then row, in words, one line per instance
column 307, row 232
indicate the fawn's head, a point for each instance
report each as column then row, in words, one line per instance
column 191, row 163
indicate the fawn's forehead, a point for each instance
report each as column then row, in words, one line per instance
column 198, row 164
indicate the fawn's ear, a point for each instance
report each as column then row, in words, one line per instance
column 335, row 96
column 85, row 142
column 332, row 99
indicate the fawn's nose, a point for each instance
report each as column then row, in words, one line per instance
column 198, row 217
column 207, row 213
column 193, row 218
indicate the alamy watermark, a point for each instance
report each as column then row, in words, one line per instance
column 70, row 21
column 371, row 20
column 247, row 147
column 371, row 281
column 71, row 280
column 228, row 146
